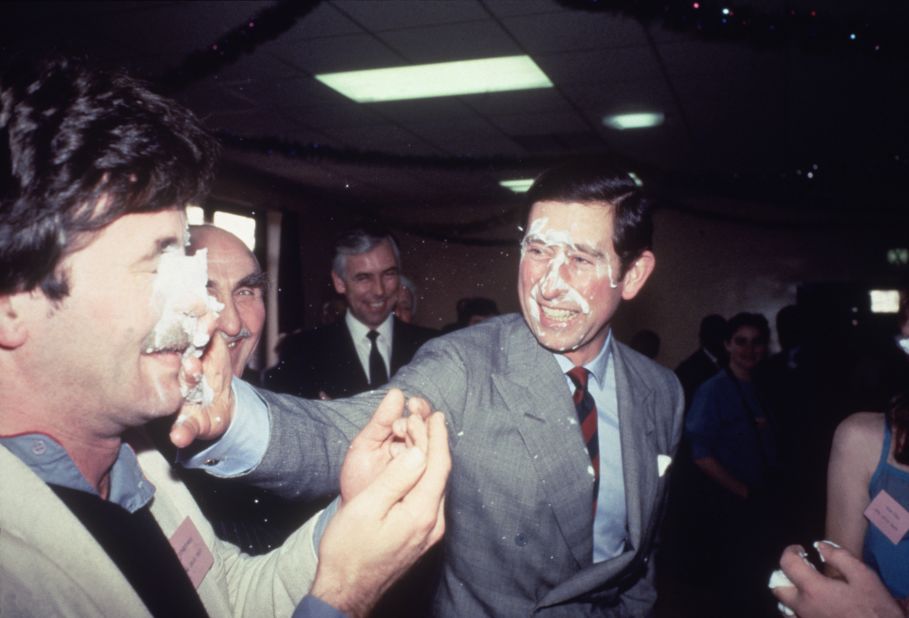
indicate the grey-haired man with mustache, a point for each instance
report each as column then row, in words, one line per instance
column 235, row 279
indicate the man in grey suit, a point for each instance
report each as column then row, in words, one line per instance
column 547, row 513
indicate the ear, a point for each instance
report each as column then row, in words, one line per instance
column 636, row 276
column 338, row 282
column 13, row 332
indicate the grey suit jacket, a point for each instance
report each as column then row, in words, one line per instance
column 519, row 518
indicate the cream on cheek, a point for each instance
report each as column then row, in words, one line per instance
column 187, row 311
column 561, row 242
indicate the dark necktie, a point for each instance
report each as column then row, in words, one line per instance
column 378, row 374
column 587, row 416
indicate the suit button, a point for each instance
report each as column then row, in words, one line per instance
column 520, row 540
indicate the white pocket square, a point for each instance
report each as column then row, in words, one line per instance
column 663, row 462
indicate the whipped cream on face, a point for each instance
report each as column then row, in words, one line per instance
column 180, row 289
column 564, row 240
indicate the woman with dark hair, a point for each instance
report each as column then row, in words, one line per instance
column 868, row 492
column 728, row 424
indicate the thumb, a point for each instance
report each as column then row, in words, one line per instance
column 185, row 429
column 394, row 482
column 379, row 427
column 842, row 560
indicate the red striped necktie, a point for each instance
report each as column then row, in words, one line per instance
column 587, row 416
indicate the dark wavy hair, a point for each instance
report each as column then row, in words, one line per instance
column 79, row 148
column 595, row 181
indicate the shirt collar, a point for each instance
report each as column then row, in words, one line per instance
column 52, row 464
column 597, row 367
column 358, row 329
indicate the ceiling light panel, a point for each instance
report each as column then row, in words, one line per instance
column 441, row 79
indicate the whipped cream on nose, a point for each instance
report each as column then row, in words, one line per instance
column 180, row 290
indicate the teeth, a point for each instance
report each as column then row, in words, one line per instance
column 557, row 314
column 231, row 345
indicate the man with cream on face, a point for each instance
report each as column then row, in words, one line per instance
column 102, row 315
column 545, row 516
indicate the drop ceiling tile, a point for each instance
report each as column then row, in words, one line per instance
column 340, row 53
column 323, row 21
column 518, row 101
column 621, row 97
column 575, row 30
column 339, row 114
column 381, row 138
column 479, row 139
column 439, row 110
column 508, row 8
column 447, row 42
column 394, row 14
column 535, row 124
column 600, row 66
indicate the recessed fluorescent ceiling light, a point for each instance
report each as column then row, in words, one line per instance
column 441, row 79
column 518, row 185
column 640, row 120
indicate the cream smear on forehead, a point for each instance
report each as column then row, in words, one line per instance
column 539, row 233
column 180, row 289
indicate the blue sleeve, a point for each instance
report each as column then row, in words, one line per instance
column 243, row 445
column 700, row 425
column 314, row 607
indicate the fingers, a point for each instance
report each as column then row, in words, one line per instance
column 419, row 407
column 379, row 427
column 206, row 421
column 842, row 560
column 417, row 433
column 795, row 565
column 393, row 483
column 429, row 492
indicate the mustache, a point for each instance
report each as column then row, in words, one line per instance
column 172, row 339
column 243, row 334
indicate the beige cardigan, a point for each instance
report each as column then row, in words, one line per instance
column 50, row 565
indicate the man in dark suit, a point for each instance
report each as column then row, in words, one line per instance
column 361, row 351
column 561, row 436
column 709, row 358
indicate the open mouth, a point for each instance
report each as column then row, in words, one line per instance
column 558, row 315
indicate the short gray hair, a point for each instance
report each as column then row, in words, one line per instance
column 360, row 240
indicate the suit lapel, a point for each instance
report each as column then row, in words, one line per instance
column 534, row 389
column 398, row 346
column 639, row 456
column 639, row 470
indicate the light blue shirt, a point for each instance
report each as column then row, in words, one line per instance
column 609, row 529
column 244, row 443
column 129, row 489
